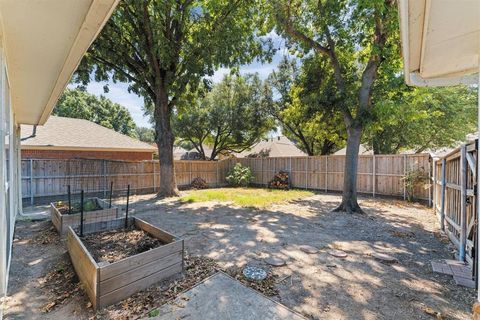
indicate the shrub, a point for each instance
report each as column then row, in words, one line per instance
column 412, row 179
column 239, row 176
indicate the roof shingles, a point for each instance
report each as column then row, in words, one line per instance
column 70, row 133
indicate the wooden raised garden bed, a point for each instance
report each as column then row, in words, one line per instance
column 95, row 210
column 107, row 283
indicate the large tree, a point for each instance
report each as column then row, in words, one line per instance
column 304, row 107
column 418, row 119
column 161, row 46
column 357, row 37
column 229, row 118
column 76, row 103
column 145, row 134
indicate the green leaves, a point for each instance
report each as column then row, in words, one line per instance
column 239, row 176
column 305, row 108
column 418, row 119
column 166, row 44
column 229, row 118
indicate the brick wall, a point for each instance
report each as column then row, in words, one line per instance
column 71, row 154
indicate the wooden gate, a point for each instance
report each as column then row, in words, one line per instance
column 454, row 198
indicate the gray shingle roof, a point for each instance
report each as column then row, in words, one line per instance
column 69, row 133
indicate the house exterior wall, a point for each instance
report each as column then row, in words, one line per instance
column 10, row 175
column 74, row 154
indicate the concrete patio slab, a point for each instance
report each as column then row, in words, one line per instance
column 222, row 297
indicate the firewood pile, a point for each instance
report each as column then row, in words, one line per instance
column 281, row 180
column 199, row 183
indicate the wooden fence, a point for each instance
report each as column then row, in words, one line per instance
column 454, row 200
column 377, row 175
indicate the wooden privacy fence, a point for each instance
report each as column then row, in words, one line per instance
column 454, row 200
column 377, row 175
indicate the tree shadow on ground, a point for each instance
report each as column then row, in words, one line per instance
column 320, row 285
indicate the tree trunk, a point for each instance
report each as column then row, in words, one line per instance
column 349, row 197
column 164, row 140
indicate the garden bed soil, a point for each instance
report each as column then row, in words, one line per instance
column 115, row 245
column 126, row 261
column 95, row 210
column 91, row 204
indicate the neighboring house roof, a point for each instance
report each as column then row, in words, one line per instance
column 61, row 133
column 273, row 147
column 178, row 152
column 363, row 150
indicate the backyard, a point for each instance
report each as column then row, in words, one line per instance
column 331, row 270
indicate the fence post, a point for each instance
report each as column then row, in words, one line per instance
column 463, row 203
column 444, row 187
column 404, row 176
column 430, row 179
column 433, row 181
column 216, row 179
column 190, row 181
column 374, row 176
column 306, row 172
column 104, row 178
column 31, row 182
column 326, row 173
column 289, row 171
column 154, row 176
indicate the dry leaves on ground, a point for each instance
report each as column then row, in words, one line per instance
column 46, row 236
column 111, row 246
column 60, row 284
column 196, row 270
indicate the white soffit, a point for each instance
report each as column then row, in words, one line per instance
column 440, row 41
column 44, row 41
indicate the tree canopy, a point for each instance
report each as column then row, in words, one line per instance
column 304, row 107
column 417, row 119
column 229, row 118
column 76, row 103
column 160, row 47
column 145, row 134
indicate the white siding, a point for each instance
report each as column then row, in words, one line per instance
column 9, row 177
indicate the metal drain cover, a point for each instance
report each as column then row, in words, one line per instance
column 254, row 273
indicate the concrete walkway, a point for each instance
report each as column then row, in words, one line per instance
column 222, row 297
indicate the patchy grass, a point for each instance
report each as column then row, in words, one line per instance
column 246, row 197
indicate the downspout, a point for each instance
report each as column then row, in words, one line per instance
column 33, row 135
column 20, row 205
column 478, row 184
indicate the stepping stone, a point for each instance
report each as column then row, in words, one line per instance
column 439, row 267
column 464, row 282
column 308, row 249
column 455, row 263
column 461, row 271
column 275, row 261
column 384, row 257
column 254, row 273
column 338, row 253
column 221, row 297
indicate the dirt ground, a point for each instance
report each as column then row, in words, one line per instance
column 318, row 286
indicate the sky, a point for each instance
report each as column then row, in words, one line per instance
column 118, row 91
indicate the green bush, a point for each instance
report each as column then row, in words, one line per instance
column 239, row 176
column 414, row 178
